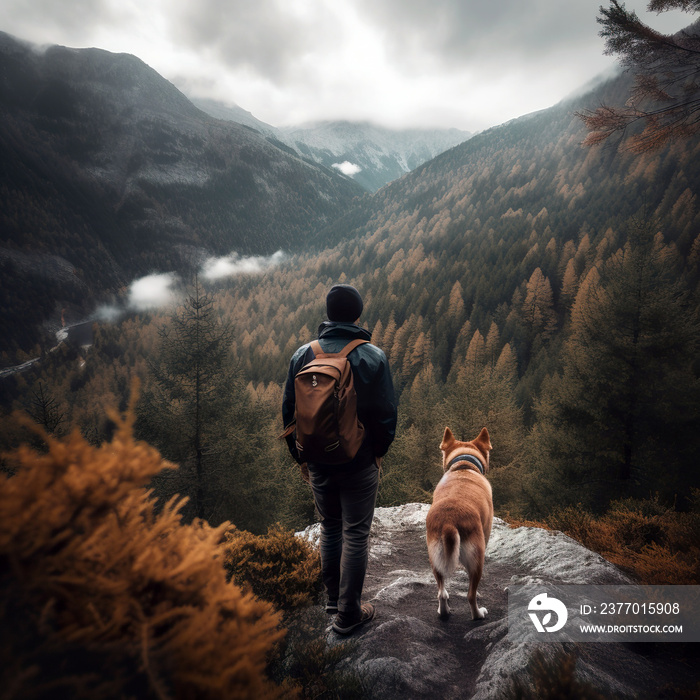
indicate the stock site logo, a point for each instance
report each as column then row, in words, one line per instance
column 542, row 603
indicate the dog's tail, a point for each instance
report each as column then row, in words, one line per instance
column 446, row 553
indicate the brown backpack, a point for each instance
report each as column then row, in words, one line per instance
column 325, row 420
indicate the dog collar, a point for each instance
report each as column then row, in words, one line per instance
column 466, row 458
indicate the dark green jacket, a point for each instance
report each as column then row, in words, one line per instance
column 376, row 405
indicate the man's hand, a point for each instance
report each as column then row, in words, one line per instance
column 304, row 471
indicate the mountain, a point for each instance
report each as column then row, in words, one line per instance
column 470, row 267
column 107, row 165
column 234, row 113
column 528, row 181
column 371, row 155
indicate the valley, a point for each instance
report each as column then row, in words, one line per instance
column 371, row 155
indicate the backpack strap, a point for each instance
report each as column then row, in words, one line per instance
column 318, row 351
column 350, row 347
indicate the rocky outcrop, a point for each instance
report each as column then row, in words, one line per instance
column 409, row 652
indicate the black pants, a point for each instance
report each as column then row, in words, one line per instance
column 345, row 501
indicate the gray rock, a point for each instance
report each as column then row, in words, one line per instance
column 409, row 652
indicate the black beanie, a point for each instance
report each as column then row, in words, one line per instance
column 343, row 303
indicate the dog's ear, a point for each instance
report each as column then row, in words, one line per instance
column 447, row 439
column 483, row 442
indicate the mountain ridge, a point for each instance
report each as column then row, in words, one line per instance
column 109, row 166
column 374, row 155
column 534, row 160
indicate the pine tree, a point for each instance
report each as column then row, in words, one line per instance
column 665, row 99
column 188, row 411
column 624, row 417
column 476, row 354
column 44, row 409
column 507, row 365
column 538, row 307
column 569, row 282
column 412, row 467
column 455, row 308
column 493, row 345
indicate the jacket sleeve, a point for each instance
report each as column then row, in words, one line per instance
column 383, row 409
column 289, row 401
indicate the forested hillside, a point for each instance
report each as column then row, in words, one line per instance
column 106, row 165
column 519, row 281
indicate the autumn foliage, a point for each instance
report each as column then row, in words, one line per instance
column 103, row 595
column 278, row 567
column 654, row 543
column 551, row 677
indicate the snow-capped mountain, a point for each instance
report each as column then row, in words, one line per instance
column 372, row 155
column 369, row 154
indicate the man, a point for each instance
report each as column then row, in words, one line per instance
column 345, row 494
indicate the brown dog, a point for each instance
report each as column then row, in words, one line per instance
column 459, row 520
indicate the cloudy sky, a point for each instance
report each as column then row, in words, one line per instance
column 468, row 64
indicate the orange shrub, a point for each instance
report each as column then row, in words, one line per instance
column 103, row 596
column 656, row 544
column 278, row 567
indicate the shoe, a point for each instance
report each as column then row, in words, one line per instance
column 332, row 607
column 366, row 614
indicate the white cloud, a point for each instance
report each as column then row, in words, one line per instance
column 152, row 291
column 109, row 313
column 348, row 168
column 450, row 63
column 232, row 265
column 165, row 289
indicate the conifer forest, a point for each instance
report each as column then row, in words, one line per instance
column 553, row 300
